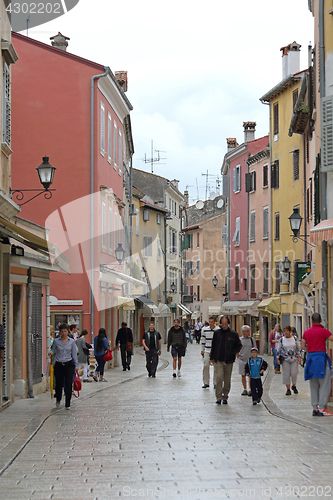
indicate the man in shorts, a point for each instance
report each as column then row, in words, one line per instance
column 177, row 341
column 244, row 355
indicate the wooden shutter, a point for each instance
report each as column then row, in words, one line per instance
column 277, row 174
column 273, row 175
column 265, row 222
column 253, row 226
column 224, row 236
column 327, row 134
column 317, row 191
column 36, row 345
column 276, row 118
column 234, row 180
column 296, row 164
column 248, row 182
column 265, row 175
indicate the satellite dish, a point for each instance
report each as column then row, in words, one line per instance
column 213, row 195
column 220, row 203
column 199, row 205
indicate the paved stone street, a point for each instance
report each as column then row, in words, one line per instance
column 165, row 438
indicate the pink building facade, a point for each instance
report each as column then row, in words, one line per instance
column 75, row 112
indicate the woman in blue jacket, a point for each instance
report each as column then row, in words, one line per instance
column 101, row 345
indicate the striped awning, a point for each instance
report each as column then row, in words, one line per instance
column 322, row 231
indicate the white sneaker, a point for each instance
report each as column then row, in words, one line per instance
column 67, row 408
column 179, row 374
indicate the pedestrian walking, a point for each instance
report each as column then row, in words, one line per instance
column 197, row 331
column 83, row 355
column 225, row 346
column 244, row 355
column 124, row 335
column 101, row 345
column 318, row 368
column 274, row 338
column 207, row 333
column 64, row 349
column 152, row 345
column 288, row 353
column 254, row 369
column 177, row 341
column 187, row 332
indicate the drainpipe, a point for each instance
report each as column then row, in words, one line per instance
column 131, row 201
column 92, row 187
column 323, row 175
column 30, row 380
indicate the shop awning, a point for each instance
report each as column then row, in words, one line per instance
column 230, row 307
column 163, row 311
column 127, row 303
column 184, row 309
column 150, row 308
column 322, row 231
column 35, row 242
column 214, row 310
column 249, row 307
column 270, row 306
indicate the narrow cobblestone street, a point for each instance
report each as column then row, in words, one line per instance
column 165, row 438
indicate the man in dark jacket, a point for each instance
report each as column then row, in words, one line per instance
column 124, row 335
column 177, row 341
column 225, row 346
column 151, row 342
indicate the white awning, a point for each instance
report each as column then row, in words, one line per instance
column 231, row 307
column 127, row 303
column 214, row 310
column 150, row 308
column 163, row 311
column 249, row 307
column 184, row 309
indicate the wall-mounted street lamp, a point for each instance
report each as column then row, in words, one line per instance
column 119, row 253
column 46, row 174
column 222, row 288
column 194, row 296
column 295, row 223
column 173, row 287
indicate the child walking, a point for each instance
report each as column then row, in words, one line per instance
column 254, row 369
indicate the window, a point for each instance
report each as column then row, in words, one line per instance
column 237, row 278
column 265, row 176
column 158, row 218
column 253, row 225
column 188, row 241
column 109, row 137
column 110, row 225
column 265, row 215
column 198, row 292
column 277, row 227
column 198, row 267
column 115, row 135
column 250, row 182
column 236, row 179
column 159, row 290
column 191, row 289
column 115, row 229
column 102, row 129
column 103, row 223
column 170, row 204
column 147, row 246
column 236, row 237
column 277, row 277
column 189, row 268
column 198, row 240
column 225, row 238
column 120, row 158
column 276, row 118
column 296, row 164
column 159, row 249
column 266, row 277
column 295, row 97
column 172, row 207
column 174, row 242
column 137, row 222
column 275, row 175
column 146, row 215
column 252, row 280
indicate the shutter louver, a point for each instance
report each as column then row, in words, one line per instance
column 248, row 183
column 327, row 134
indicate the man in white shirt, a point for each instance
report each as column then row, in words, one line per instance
column 244, row 355
column 197, row 332
column 207, row 333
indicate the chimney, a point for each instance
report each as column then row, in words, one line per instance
column 175, row 183
column 121, row 77
column 249, row 131
column 290, row 59
column 186, row 198
column 60, row 41
column 231, row 143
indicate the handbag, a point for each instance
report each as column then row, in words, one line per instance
column 108, row 355
column 77, row 384
column 281, row 359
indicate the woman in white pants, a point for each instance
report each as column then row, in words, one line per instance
column 82, row 356
column 289, row 350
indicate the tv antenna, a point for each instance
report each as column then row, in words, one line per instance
column 153, row 160
column 217, row 179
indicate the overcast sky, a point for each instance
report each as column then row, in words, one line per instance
column 196, row 70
